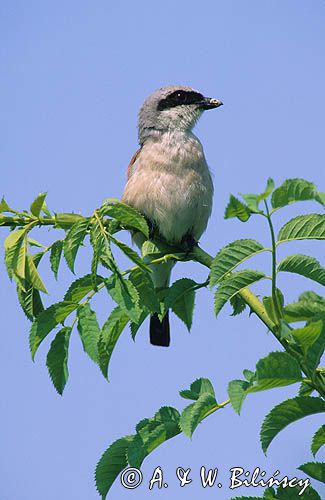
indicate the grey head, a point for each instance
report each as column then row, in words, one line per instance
column 172, row 108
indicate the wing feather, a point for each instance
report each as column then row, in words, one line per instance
column 130, row 168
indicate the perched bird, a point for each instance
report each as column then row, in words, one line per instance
column 169, row 180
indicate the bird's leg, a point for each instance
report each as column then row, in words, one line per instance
column 152, row 228
column 188, row 242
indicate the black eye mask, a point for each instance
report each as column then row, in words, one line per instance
column 180, row 98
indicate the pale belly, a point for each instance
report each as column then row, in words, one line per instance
column 177, row 200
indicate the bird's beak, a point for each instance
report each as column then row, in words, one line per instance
column 210, row 103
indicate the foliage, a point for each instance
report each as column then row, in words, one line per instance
column 135, row 297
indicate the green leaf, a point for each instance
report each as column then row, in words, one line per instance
column 197, row 388
column 275, row 370
column 320, row 198
column 291, row 494
column 137, row 451
column 156, row 249
column 238, row 305
column 151, row 432
column 237, row 393
column 99, row 245
column 46, row 321
column 247, row 498
column 37, row 257
column 30, row 301
column 184, row 308
column 293, row 190
column 32, row 275
column 125, row 295
column 315, row 470
column 73, row 240
column 26, row 269
column 314, row 342
column 12, row 245
column 177, row 290
column 131, row 254
column 13, row 237
column 309, row 306
column 88, row 330
column 126, row 215
column 294, row 494
column 109, row 336
column 268, row 303
column 144, row 285
column 287, row 412
column 249, row 375
column 268, row 190
column 305, row 389
column 236, row 208
column 81, row 287
column 57, row 359
column 232, row 285
column 4, row 207
column 134, row 327
column 180, row 298
column 318, row 440
column 37, row 204
column 307, row 335
column 28, row 296
column 312, row 297
column 55, row 256
column 305, row 266
column 20, row 268
column 34, row 243
column 285, row 331
column 231, row 256
column 196, row 412
column 303, row 227
column 100, row 241
column 302, row 311
column 45, row 210
column 111, row 463
column 253, row 200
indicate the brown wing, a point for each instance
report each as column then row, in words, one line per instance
column 132, row 162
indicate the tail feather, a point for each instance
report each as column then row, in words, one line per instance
column 159, row 330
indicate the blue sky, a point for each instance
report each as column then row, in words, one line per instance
column 73, row 77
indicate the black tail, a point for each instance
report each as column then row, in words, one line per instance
column 159, row 330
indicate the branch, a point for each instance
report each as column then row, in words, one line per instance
column 258, row 308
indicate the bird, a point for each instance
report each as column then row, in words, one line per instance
column 168, row 179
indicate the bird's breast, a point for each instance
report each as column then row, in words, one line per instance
column 171, row 185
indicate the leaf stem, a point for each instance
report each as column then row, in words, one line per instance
column 218, row 406
column 277, row 309
column 258, row 308
column 15, row 221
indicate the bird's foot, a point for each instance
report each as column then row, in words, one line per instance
column 152, row 228
column 188, row 243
